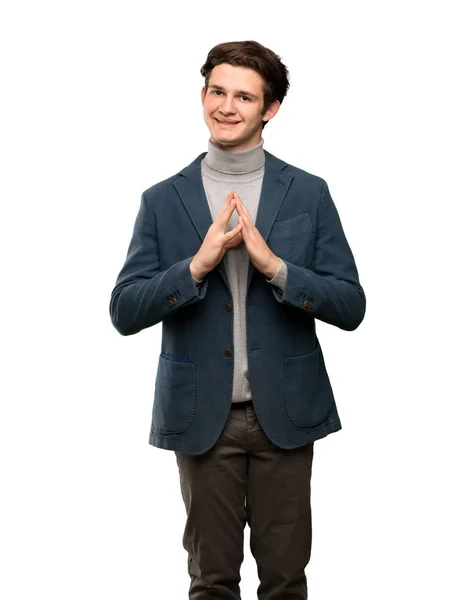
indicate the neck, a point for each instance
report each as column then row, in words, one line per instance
column 225, row 161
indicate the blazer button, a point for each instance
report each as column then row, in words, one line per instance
column 228, row 352
column 228, row 307
column 308, row 304
column 172, row 301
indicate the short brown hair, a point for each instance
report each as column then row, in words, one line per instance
column 252, row 55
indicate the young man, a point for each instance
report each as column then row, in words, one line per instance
column 237, row 255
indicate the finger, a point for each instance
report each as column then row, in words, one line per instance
column 242, row 222
column 241, row 204
column 234, row 242
column 229, row 198
column 225, row 217
column 238, row 206
column 231, row 234
column 247, row 226
column 241, row 214
column 222, row 219
column 239, row 201
column 246, row 218
column 227, row 203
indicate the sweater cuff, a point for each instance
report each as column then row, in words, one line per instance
column 279, row 280
column 197, row 281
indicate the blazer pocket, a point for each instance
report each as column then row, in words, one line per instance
column 292, row 239
column 175, row 357
column 175, row 394
column 307, row 391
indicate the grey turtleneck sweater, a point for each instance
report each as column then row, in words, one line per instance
column 243, row 172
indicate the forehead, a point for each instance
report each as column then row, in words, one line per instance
column 236, row 78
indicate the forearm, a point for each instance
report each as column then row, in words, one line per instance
column 335, row 301
column 330, row 290
column 196, row 270
column 279, row 279
column 141, row 303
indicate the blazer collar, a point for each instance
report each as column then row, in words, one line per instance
column 276, row 181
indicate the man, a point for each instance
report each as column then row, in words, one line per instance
column 237, row 255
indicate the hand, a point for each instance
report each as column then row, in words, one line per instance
column 216, row 241
column 259, row 252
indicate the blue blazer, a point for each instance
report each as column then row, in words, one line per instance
column 290, row 388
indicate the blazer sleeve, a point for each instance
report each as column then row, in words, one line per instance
column 144, row 295
column 331, row 292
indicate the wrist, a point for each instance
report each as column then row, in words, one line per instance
column 196, row 271
column 273, row 268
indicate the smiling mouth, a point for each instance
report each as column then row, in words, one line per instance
column 227, row 123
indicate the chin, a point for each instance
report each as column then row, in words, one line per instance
column 225, row 141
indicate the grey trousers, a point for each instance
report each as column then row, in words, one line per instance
column 245, row 478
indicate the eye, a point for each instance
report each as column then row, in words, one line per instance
column 245, row 97
column 216, row 92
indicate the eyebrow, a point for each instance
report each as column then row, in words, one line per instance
column 239, row 92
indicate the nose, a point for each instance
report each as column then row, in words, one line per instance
column 227, row 106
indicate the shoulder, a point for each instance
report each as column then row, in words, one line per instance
column 166, row 186
column 159, row 188
column 299, row 176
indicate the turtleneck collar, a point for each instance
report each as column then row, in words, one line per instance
column 224, row 161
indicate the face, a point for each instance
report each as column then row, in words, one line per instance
column 232, row 107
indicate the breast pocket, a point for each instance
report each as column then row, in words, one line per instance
column 292, row 239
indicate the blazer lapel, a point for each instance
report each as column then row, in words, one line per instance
column 193, row 196
column 275, row 185
column 276, row 182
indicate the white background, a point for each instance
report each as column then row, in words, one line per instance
column 100, row 100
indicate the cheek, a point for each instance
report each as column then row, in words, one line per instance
column 209, row 106
column 250, row 115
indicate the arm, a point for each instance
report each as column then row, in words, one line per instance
column 331, row 292
column 144, row 295
column 280, row 278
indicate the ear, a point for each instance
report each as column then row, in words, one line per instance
column 203, row 94
column 271, row 111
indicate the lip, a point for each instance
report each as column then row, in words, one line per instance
column 226, row 124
